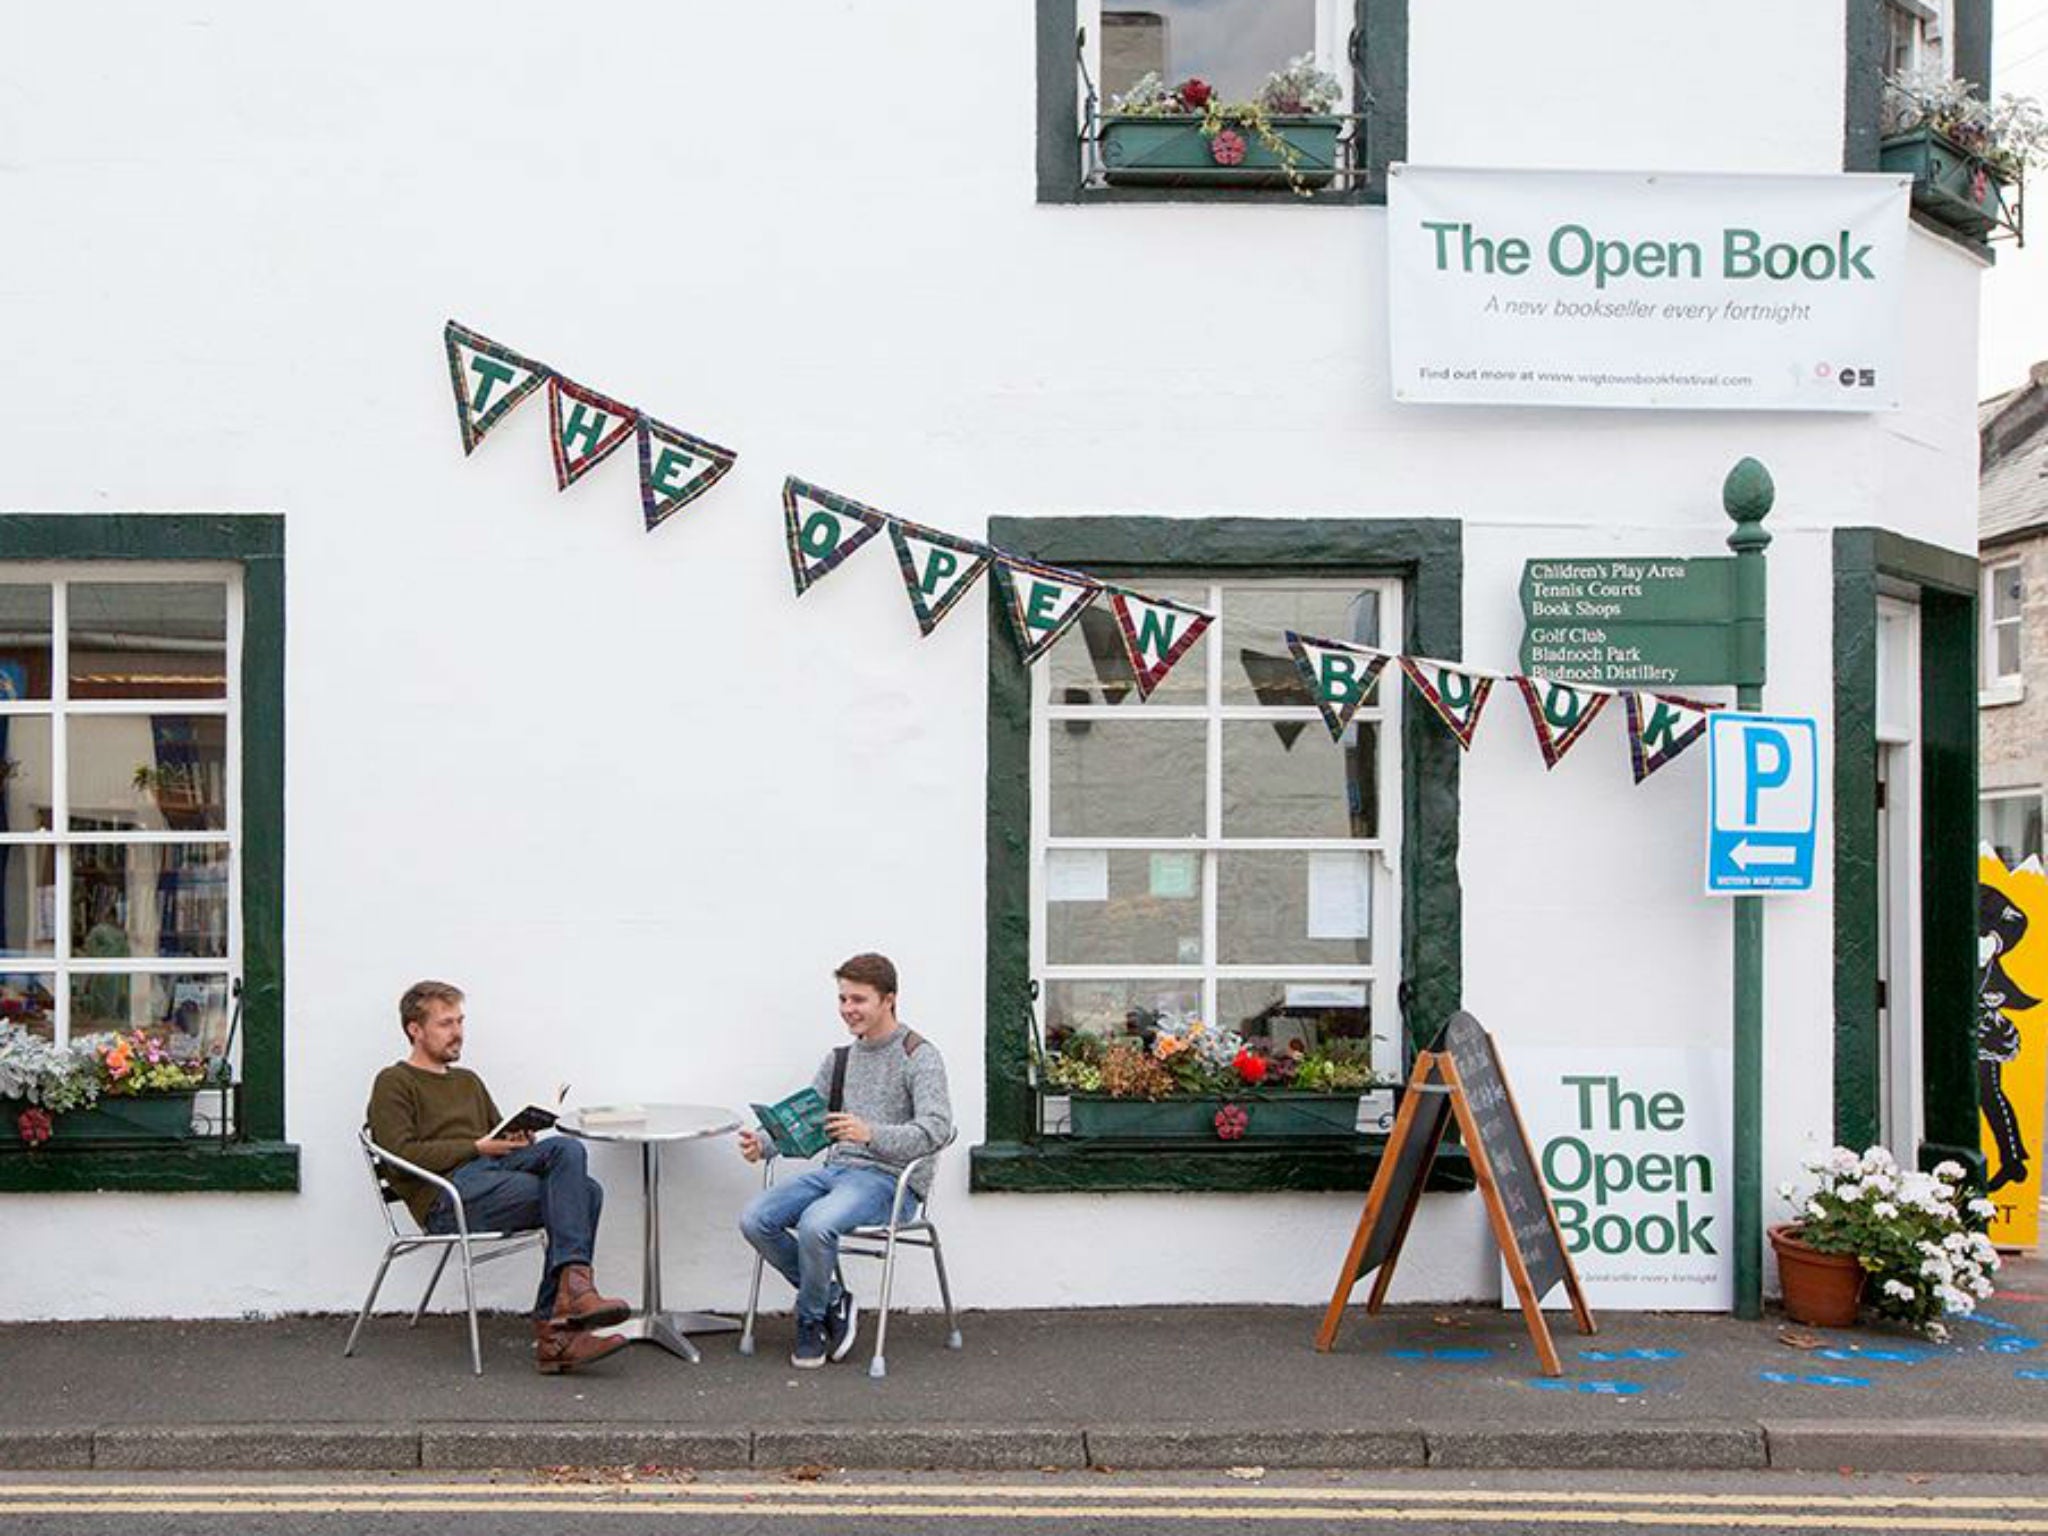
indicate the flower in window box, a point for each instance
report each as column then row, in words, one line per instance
column 1250, row 1067
column 1232, row 1121
column 1228, row 147
column 1287, row 133
column 1964, row 153
column 33, row 1126
column 1195, row 94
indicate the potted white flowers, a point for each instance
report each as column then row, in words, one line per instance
column 1288, row 135
column 1907, row 1244
column 1968, row 157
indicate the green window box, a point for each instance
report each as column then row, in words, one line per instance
column 1267, row 1116
column 1952, row 186
column 1174, row 152
column 146, row 1117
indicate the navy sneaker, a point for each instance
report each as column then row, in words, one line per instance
column 842, row 1322
column 810, row 1345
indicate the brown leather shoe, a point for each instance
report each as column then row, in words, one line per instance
column 557, row 1350
column 578, row 1304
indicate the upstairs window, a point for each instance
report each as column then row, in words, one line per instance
column 2004, row 605
column 1915, row 37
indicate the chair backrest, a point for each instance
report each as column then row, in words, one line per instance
column 389, row 1200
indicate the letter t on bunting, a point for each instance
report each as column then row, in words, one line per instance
column 937, row 569
column 595, row 429
column 823, row 530
column 1043, row 602
column 489, row 380
column 675, row 468
column 1156, row 634
column 1340, row 677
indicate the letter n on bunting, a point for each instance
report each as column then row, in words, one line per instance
column 489, row 381
column 1156, row 634
column 675, row 468
column 1042, row 602
column 592, row 431
column 1659, row 728
column 1339, row 677
column 1456, row 696
column 1560, row 714
column 937, row 569
column 823, row 529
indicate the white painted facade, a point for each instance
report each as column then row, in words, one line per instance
column 635, row 796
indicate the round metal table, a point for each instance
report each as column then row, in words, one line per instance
column 652, row 1126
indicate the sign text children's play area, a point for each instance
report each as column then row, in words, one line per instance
column 1615, row 289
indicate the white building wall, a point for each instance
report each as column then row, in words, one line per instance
column 627, row 789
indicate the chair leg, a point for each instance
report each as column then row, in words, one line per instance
column 476, row 1348
column 879, row 1366
column 753, row 1306
column 945, row 1290
column 369, row 1301
column 427, row 1295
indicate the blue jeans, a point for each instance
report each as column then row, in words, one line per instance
column 796, row 1226
column 543, row 1185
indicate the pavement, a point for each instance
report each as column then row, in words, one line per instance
column 1126, row 1388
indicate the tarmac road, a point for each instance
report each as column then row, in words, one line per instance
column 740, row 1504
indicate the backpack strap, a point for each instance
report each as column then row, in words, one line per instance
column 836, row 1100
column 911, row 1041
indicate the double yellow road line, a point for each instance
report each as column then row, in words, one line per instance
column 1064, row 1500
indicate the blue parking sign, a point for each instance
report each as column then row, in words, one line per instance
column 1763, row 798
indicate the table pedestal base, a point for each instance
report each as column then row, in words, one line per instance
column 671, row 1330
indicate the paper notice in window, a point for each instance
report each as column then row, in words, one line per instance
column 1077, row 874
column 1174, row 875
column 1340, row 896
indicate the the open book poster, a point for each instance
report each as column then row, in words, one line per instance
column 797, row 1124
column 532, row 1117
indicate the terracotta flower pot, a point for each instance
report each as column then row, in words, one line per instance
column 1822, row 1290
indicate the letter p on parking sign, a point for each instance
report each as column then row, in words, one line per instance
column 1763, row 799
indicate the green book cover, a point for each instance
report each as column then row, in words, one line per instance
column 797, row 1124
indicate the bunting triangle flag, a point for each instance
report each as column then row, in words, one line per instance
column 1457, row 696
column 1043, row 602
column 675, row 468
column 1660, row 727
column 1156, row 634
column 1339, row 677
column 823, row 529
column 592, row 431
column 1560, row 713
column 937, row 569
column 489, row 381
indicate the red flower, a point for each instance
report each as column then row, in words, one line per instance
column 1228, row 147
column 1250, row 1066
column 1232, row 1121
column 34, row 1126
column 1194, row 93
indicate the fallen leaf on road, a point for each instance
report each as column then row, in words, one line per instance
column 1800, row 1338
column 1246, row 1474
column 809, row 1472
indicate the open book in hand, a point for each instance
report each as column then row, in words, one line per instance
column 532, row 1117
column 797, row 1124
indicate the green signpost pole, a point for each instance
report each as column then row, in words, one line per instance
column 1746, row 496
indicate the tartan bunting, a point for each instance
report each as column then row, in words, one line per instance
column 595, row 429
column 1560, row 713
column 938, row 569
column 675, row 468
column 1156, row 633
column 823, row 529
column 1456, row 696
column 1339, row 676
column 1042, row 601
column 1661, row 728
column 489, row 380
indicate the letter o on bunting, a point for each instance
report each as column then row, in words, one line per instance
column 823, row 529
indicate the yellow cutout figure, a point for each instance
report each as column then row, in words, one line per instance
column 2012, row 1042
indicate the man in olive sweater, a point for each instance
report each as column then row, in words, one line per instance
column 889, row 1105
column 438, row 1116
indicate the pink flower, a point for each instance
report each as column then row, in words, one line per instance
column 1232, row 1121
column 33, row 1125
column 1228, row 147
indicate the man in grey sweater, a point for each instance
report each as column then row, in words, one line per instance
column 887, row 1101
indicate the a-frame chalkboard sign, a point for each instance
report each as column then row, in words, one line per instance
column 1460, row 1076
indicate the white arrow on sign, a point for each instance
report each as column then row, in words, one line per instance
column 1746, row 853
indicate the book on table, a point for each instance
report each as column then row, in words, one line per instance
column 797, row 1124
column 532, row 1117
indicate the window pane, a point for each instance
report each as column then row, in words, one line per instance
column 1114, row 1009
column 149, row 773
column 190, row 1013
column 1232, row 44
column 25, row 773
column 1284, row 780
column 1127, row 778
column 1089, row 665
column 1294, row 908
column 2007, row 640
column 1300, row 1015
column 149, row 899
column 1258, row 668
column 31, row 1002
column 2007, row 592
column 149, row 640
column 27, row 901
column 2011, row 824
column 1122, row 907
column 24, row 642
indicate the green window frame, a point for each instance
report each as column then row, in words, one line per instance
column 1426, row 556
column 262, row 1160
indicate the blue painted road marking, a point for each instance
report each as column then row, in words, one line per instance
column 2031, row 1373
column 1606, row 1356
column 1793, row 1379
column 2011, row 1344
column 1590, row 1388
column 1441, row 1354
column 1893, row 1356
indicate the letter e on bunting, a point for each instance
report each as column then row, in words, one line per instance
column 1042, row 602
column 591, row 432
column 1560, row 714
column 823, row 529
column 1659, row 728
column 937, row 569
column 1339, row 677
column 675, row 468
column 1156, row 633
column 1456, row 696
column 489, row 381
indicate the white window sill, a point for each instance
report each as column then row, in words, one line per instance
column 2009, row 691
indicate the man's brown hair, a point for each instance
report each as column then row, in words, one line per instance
column 869, row 970
column 412, row 1008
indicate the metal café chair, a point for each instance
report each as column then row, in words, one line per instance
column 499, row 1245
column 876, row 1242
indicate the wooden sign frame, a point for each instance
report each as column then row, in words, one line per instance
column 1435, row 1079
